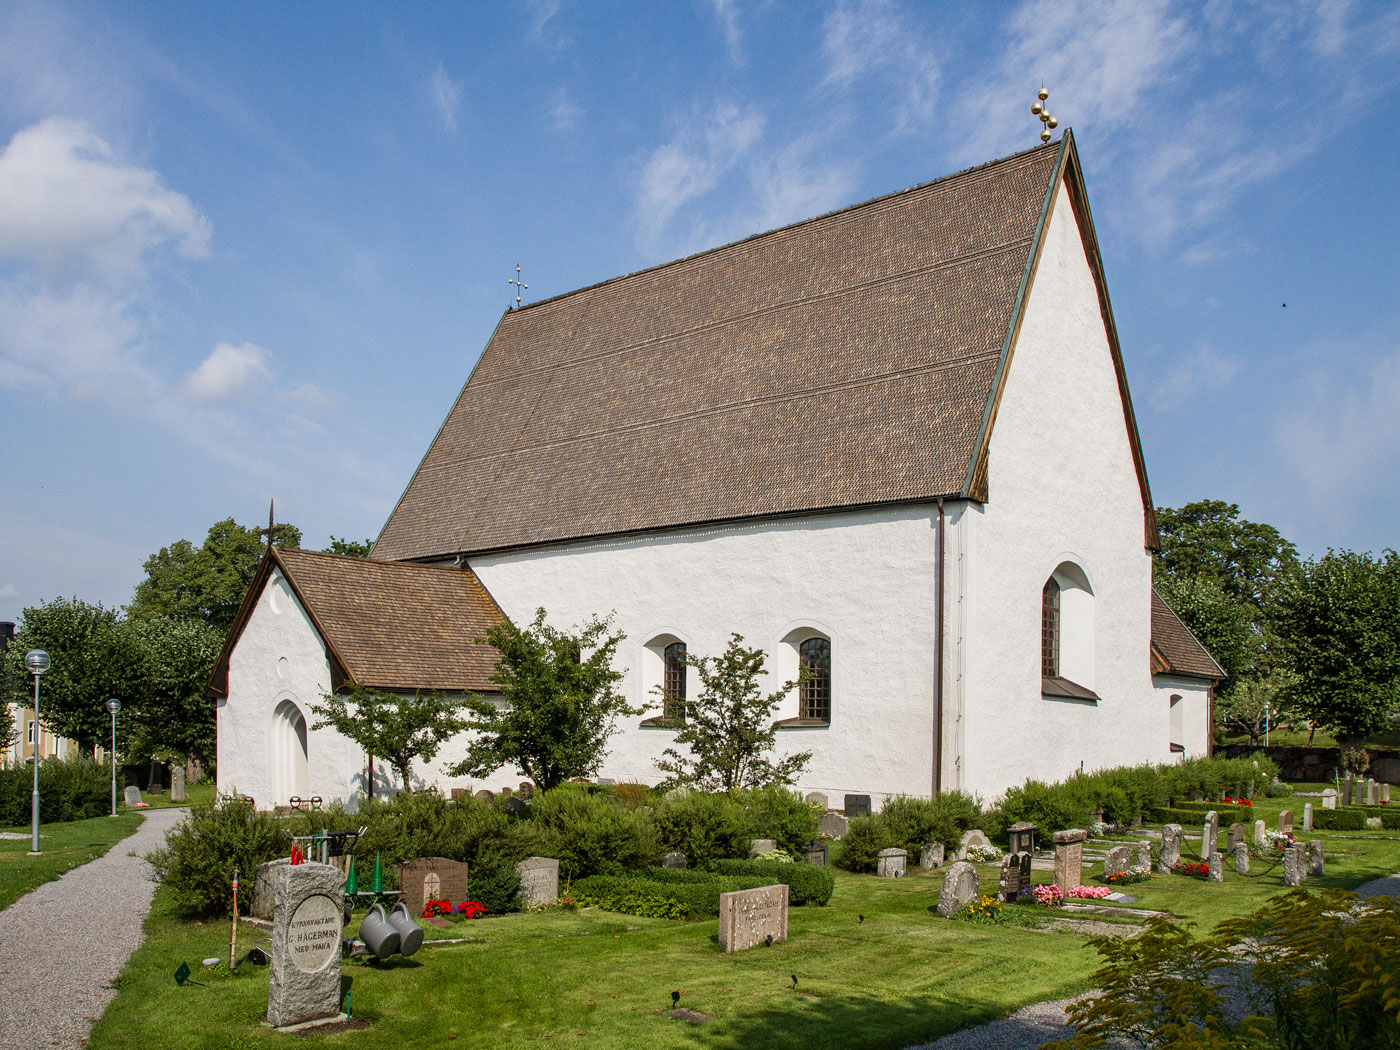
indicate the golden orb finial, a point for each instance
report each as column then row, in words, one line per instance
column 1042, row 94
column 1041, row 111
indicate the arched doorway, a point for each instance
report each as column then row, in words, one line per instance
column 290, row 768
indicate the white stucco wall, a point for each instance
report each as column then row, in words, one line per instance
column 1062, row 488
column 864, row 579
column 1194, row 733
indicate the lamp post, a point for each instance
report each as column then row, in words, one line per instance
column 114, row 705
column 37, row 662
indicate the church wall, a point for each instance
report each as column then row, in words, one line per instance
column 1194, row 712
column 865, row 579
column 280, row 656
column 1062, row 489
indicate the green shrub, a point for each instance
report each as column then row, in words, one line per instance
column 202, row 851
column 673, row 895
column 1349, row 819
column 774, row 812
column 806, row 884
column 861, row 845
column 1050, row 807
column 72, row 788
column 913, row 821
column 495, row 889
column 595, row 834
column 1188, row 813
column 703, row 826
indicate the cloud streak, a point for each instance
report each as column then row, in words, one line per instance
column 447, row 96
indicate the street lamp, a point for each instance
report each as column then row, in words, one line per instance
column 37, row 662
column 114, row 705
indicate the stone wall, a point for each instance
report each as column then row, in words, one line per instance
column 1316, row 764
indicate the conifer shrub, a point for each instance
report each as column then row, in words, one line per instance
column 775, row 812
column 914, row 821
column 861, row 845
column 201, row 852
column 595, row 834
column 704, row 826
column 495, row 889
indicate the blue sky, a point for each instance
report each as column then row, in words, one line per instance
column 253, row 250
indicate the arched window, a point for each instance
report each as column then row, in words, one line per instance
column 673, row 682
column 1050, row 629
column 814, row 694
column 1068, row 665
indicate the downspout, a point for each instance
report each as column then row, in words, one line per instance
column 938, row 664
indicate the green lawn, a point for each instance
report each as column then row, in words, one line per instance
column 63, row 846
column 1300, row 738
column 199, row 795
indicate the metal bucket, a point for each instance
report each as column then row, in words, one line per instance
column 379, row 934
column 410, row 933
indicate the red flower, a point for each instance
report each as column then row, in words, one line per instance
column 471, row 909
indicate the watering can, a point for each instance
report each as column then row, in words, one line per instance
column 379, row 934
column 410, row 933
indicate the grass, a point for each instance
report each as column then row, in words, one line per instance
column 199, row 795
column 63, row 846
column 1300, row 738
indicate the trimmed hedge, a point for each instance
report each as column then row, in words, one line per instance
column 667, row 897
column 1188, row 813
column 1349, row 819
column 806, row 884
column 73, row 788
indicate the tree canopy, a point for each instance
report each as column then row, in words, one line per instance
column 396, row 727
column 350, row 548
column 172, row 714
column 1209, row 540
column 559, row 702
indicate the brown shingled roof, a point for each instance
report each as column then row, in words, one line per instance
column 849, row 360
column 393, row 625
column 1175, row 650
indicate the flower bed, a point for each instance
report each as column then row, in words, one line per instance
column 982, row 854
column 1127, row 878
column 1196, row 871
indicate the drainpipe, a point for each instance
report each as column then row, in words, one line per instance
column 938, row 664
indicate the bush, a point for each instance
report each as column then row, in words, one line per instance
column 595, row 834
column 496, row 889
column 662, row 893
column 1050, row 807
column 806, row 884
column 774, row 812
column 1350, row 819
column 703, row 826
column 913, row 821
column 861, row 845
column 202, row 851
column 72, row 788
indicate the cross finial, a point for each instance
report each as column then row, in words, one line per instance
column 518, row 285
column 1039, row 109
column 271, row 526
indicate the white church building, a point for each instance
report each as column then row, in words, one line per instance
column 894, row 444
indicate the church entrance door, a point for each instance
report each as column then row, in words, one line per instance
column 291, row 773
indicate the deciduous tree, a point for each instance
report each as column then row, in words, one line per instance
column 172, row 713
column 350, row 548
column 394, row 726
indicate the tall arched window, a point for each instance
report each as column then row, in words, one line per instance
column 814, row 695
column 1068, row 665
column 673, row 682
column 1050, row 629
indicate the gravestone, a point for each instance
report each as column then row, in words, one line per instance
column 304, row 978
column 506, row 792
column 931, row 855
column 514, row 805
column 1210, row 834
column 857, row 806
column 1009, row 884
column 1241, row 852
column 1285, row 822
column 975, row 837
column 1346, row 788
column 432, row 879
column 1170, row 853
column 674, row 861
column 959, row 888
column 1329, row 798
column 1315, row 857
column 1024, row 859
column 265, row 888
column 1385, row 793
column 606, row 782
column 1307, row 816
column 1069, row 858
column 132, row 795
column 1292, row 869
column 527, row 790
column 749, row 917
column 1236, row 836
column 1300, row 850
column 1358, row 793
column 758, row 846
column 816, row 798
column 1144, row 855
column 485, row 796
column 177, row 784
column 1217, row 867
column 539, row 880
column 1116, row 861
column 832, row 825
column 1373, row 793
column 816, row 853
column 890, row 863
column 1261, row 835
column 1375, row 823
column 1022, row 835
column 458, row 794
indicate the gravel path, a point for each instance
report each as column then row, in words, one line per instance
column 1039, row 1023
column 62, row 945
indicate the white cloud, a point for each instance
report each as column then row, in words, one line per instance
column 564, row 112
column 447, row 96
column 71, row 210
column 227, row 371
column 1198, row 374
column 727, row 12
column 874, row 38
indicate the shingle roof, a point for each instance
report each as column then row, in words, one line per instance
column 395, row 625
column 1175, row 648
column 842, row 361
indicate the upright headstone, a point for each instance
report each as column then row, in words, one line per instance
column 1241, row 853
column 1375, row 822
column 816, row 798
column 507, row 792
column 974, row 837
column 527, row 790
column 931, row 855
column 1315, row 857
column 539, row 880
column 265, row 888
column 1346, row 788
column 1329, row 798
column 1170, row 853
column 1022, row 835
column 1385, row 793
column 1210, row 834
column 1358, row 793
column 1292, row 869
column 1144, row 855
column 1069, row 858
column 857, row 806
column 674, row 861
column 1307, row 816
column 304, row 978
column 959, row 888
column 890, row 863
column 758, row 846
column 460, row 795
column 157, row 784
column 1217, row 867
column 514, row 805
column 1261, row 835
column 1024, row 859
column 1300, row 850
column 750, row 917
column 1116, row 862
column 1373, row 793
column 177, row 783
column 485, row 796
column 432, row 879
column 833, row 825
column 1285, row 822
column 1236, row 836
column 132, row 795
column 817, row 853
column 1009, row 884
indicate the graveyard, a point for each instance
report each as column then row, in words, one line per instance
column 877, row 966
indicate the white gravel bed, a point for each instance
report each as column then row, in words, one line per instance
column 62, row 945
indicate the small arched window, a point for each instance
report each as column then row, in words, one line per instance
column 673, row 682
column 1050, row 629
column 814, row 694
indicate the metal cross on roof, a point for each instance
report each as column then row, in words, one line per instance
column 519, row 285
column 1039, row 109
column 271, row 527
